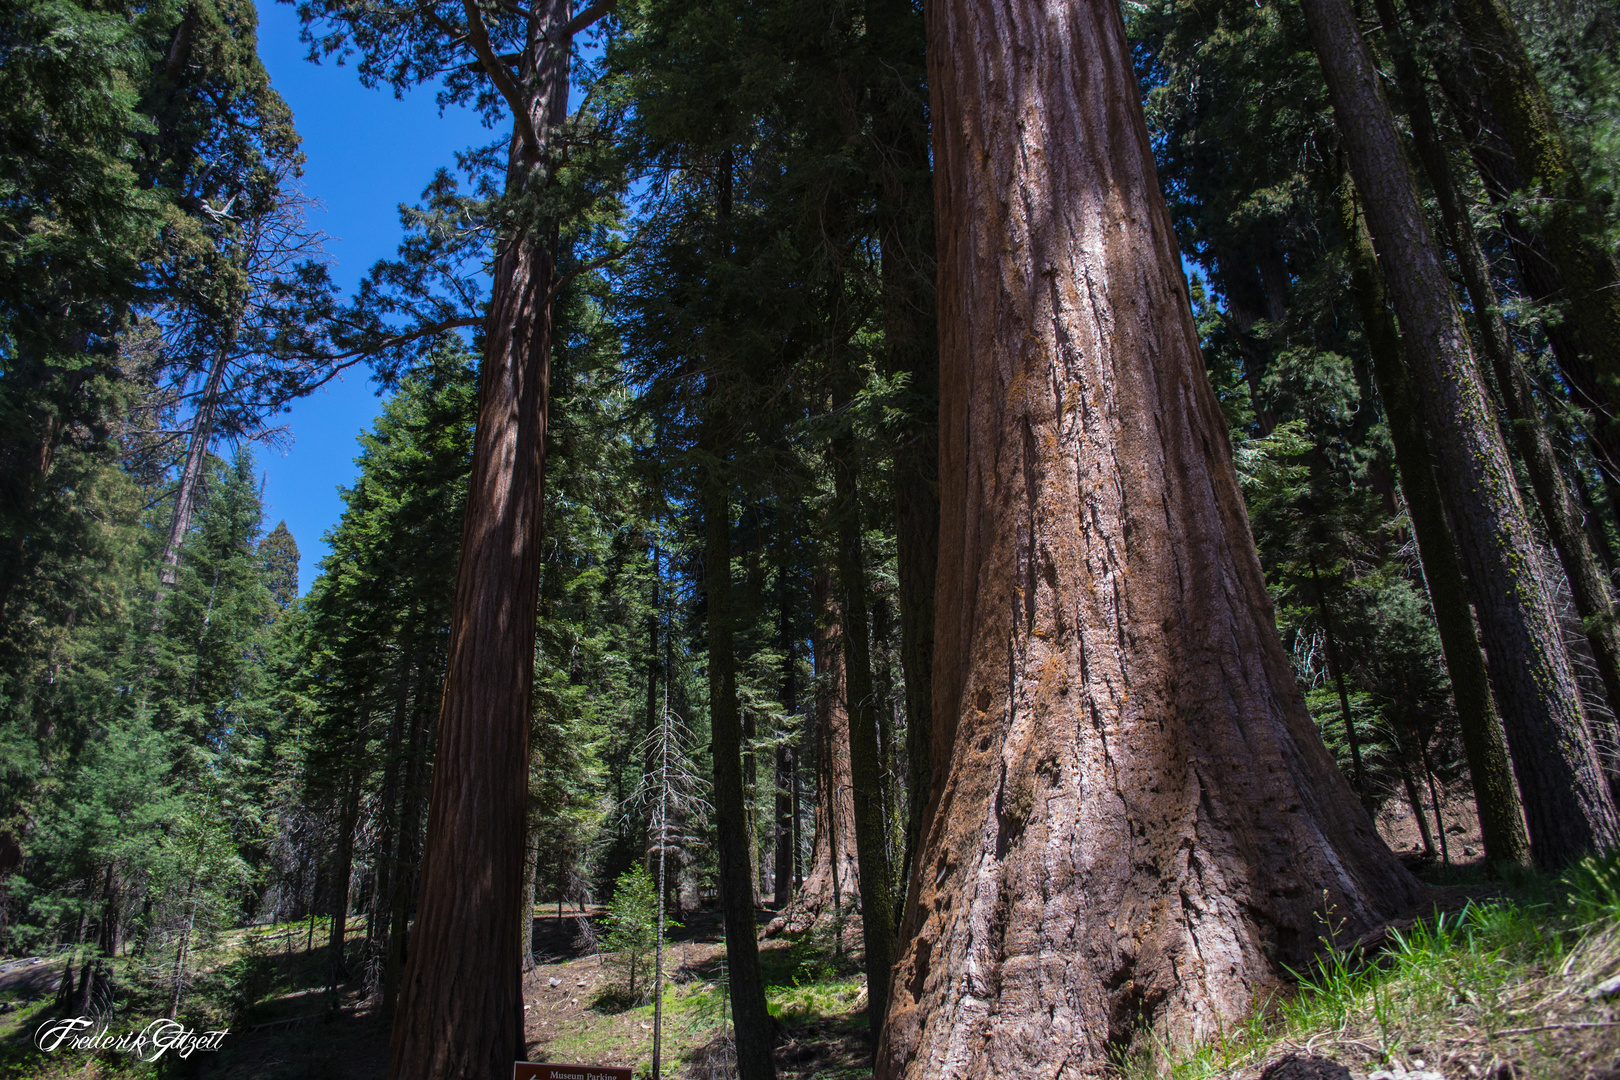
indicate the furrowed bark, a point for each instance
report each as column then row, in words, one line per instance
column 1559, row 511
column 1501, row 825
column 460, row 1009
column 1135, row 823
column 1567, row 806
column 1572, row 226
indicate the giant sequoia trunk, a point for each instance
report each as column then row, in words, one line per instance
column 460, row 1006
column 833, row 882
column 1135, row 822
column 1567, row 806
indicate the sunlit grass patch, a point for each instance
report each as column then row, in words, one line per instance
column 1531, row 980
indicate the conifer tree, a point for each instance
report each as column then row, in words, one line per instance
column 1567, row 806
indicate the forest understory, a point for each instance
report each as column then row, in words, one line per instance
column 1037, row 539
column 1506, row 980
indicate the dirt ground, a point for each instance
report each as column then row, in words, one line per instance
column 1463, row 846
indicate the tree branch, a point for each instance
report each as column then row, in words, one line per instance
column 478, row 35
column 586, row 18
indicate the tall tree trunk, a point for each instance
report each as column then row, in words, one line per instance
column 865, row 754
column 911, row 338
column 337, row 969
column 1501, row 824
column 833, row 876
column 1559, row 512
column 461, row 1003
column 1573, row 223
column 1413, row 799
column 404, row 855
column 1566, row 802
column 202, row 427
column 753, row 1024
column 1538, row 277
column 531, row 866
column 1137, row 824
column 1337, row 674
column 786, row 756
column 386, row 878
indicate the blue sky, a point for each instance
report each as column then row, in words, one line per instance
column 367, row 153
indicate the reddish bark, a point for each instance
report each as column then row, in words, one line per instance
column 460, row 1006
column 833, row 883
column 1135, row 823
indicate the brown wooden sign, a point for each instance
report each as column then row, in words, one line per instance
column 550, row 1070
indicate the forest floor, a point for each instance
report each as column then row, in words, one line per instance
column 1505, row 980
column 298, row 1030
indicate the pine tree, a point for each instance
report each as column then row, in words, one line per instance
column 279, row 552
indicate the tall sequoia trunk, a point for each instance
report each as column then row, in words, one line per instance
column 1563, row 518
column 1135, row 823
column 1573, row 223
column 460, row 1013
column 865, row 751
column 834, row 878
column 752, row 1023
column 1567, row 806
column 1497, row 798
column 911, row 338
